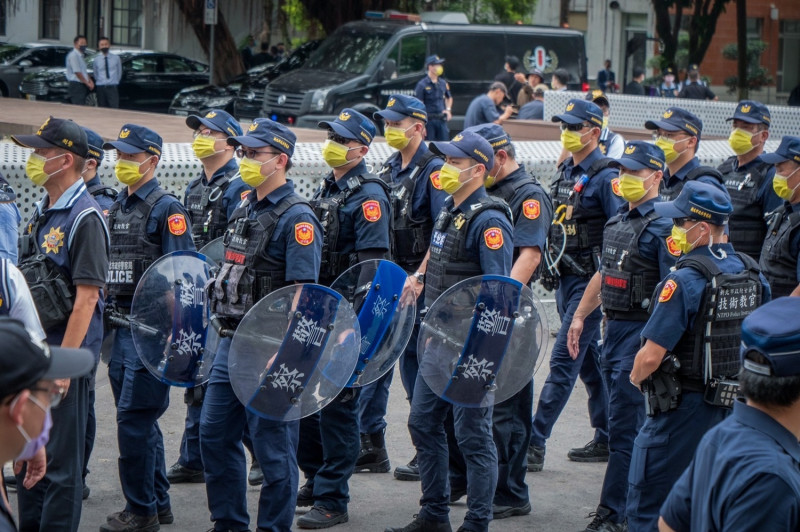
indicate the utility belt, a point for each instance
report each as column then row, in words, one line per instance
column 581, row 265
column 664, row 388
column 436, row 116
column 51, row 289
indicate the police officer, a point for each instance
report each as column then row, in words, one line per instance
column 746, row 472
column 434, row 92
column 353, row 207
column 669, row 87
column 781, row 252
column 275, row 238
column 472, row 236
column 611, row 144
column 690, row 353
column 103, row 194
column 9, row 221
column 416, row 195
column 678, row 133
column 638, row 252
column 748, row 178
column 585, row 195
column 64, row 256
column 532, row 211
column 210, row 200
column 145, row 223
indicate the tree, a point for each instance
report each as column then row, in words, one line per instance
column 702, row 25
column 756, row 76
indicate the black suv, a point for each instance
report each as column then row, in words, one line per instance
column 19, row 60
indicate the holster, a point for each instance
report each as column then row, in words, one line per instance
column 662, row 389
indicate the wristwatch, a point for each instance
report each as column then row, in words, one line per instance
column 420, row 277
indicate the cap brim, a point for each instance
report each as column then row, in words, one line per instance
column 32, row 141
column 339, row 130
column 124, row 147
column 667, row 209
column 249, row 142
column 773, row 158
column 569, row 119
column 194, row 122
column 658, row 124
column 447, row 149
column 630, row 164
column 749, row 119
column 388, row 114
column 66, row 363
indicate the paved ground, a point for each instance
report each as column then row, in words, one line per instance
column 561, row 495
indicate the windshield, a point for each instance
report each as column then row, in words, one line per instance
column 347, row 51
column 9, row 51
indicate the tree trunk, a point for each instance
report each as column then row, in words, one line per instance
column 227, row 60
column 664, row 29
column 741, row 45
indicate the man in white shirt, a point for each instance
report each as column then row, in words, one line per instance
column 107, row 74
column 80, row 84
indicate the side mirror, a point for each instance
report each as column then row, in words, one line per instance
column 25, row 63
column 388, row 70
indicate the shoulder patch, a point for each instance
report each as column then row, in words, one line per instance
column 437, row 184
column 672, row 247
column 177, row 224
column 667, row 292
column 615, row 186
column 244, row 194
column 531, row 209
column 372, row 210
column 493, row 237
column 304, row 233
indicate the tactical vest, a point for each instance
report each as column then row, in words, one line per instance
column 710, row 349
column 333, row 262
column 669, row 92
column 411, row 236
column 605, row 141
column 97, row 190
column 7, row 194
column 584, row 229
column 628, row 279
column 5, row 289
column 206, row 212
column 248, row 272
column 670, row 193
column 778, row 264
column 450, row 261
column 748, row 228
column 132, row 250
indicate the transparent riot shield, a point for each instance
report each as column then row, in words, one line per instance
column 294, row 351
column 480, row 340
column 214, row 250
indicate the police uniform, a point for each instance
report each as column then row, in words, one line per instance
column 9, row 221
column 679, row 323
column 585, row 214
column 144, row 226
column 746, row 472
column 71, row 235
column 750, row 188
column 433, row 95
column 276, row 240
column 103, row 194
column 637, row 253
column 473, row 238
column 780, row 256
column 355, row 213
column 611, row 144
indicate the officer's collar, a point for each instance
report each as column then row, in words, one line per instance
column 276, row 195
column 766, row 424
column 94, row 181
column 703, row 250
column 589, row 160
column 230, row 166
column 693, row 163
column 519, row 173
column 141, row 193
column 640, row 211
column 471, row 200
column 752, row 163
column 357, row 170
column 66, row 200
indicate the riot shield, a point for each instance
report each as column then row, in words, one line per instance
column 214, row 250
column 374, row 288
column 294, row 351
column 169, row 319
column 480, row 340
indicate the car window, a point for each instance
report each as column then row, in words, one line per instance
column 144, row 64
column 60, row 56
column 470, row 56
column 348, row 50
column 412, row 54
column 10, row 51
column 175, row 65
column 39, row 57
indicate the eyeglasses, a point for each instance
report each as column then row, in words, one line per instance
column 679, row 222
column 574, row 127
column 55, row 394
column 205, row 132
column 251, row 154
column 338, row 138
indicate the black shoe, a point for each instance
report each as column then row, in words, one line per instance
column 86, row 492
column 535, row 458
column 165, row 517
column 229, row 530
column 11, row 482
column 178, row 474
column 318, row 517
column 501, row 512
column 601, row 522
column 423, row 525
column 591, row 452
column 456, row 494
column 409, row 471
column 305, row 496
column 372, row 457
column 255, row 477
column 127, row 522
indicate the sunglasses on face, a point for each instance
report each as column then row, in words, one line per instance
column 574, row 127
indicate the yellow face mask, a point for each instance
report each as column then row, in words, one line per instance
column 741, row 141
column 335, row 154
column 631, row 187
column 204, row 146
column 250, row 170
column 34, row 169
column 449, row 178
column 128, row 172
column 572, row 141
column 396, row 137
column 679, row 238
column 668, row 147
column 439, row 69
column 780, row 184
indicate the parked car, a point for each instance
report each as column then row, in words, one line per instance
column 149, row 80
column 20, row 60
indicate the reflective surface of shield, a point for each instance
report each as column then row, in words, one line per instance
column 374, row 287
column 480, row 340
column 294, row 351
column 214, row 250
column 169, row 319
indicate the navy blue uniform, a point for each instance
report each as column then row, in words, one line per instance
column 433, row 96
column 104, row 200
column 234, row 193
column 224, row 419
column 598, row 196
column 140, row 397
column 680, row 177
column 667, row 441
column 481, row 110
column 744, row 476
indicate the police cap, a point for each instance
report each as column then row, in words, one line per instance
column 351, row 124
column 136, row 139
column 677, row 119
column 217, row 120
column 265, row 132
column 698, row 201
column 56, row 133
column 773, row 331
column 466, row 144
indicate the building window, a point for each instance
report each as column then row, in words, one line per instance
column 2, row 17
column 754, row 27
column 788, row 59
column 126, row 22
column 51, row 19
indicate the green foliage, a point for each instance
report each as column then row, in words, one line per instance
column 757, row 76
column 299, row 19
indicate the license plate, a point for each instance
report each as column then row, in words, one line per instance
column 30, row 96
column 181, row 112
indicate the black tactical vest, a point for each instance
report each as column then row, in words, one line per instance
column 206, row 213
column 334, row 262
column 778, row 264
column 710, row 349
column 584, row 229
column 99, row 189
column 248, row 272
column 628, row 279
column 132, row 250
column 450, row 262
column 747, row 225
column 670, row 193
column 411, row 236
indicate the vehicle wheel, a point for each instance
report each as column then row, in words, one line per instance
column 91, row 99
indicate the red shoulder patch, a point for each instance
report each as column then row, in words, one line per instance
column 372, row 210
column 531, row 209
column 244, row 194
column 493, row 237
column 304, row 233
column 672, row 247
column 666, row 293
column 437, row 184
column 615, row 186
column 177, row 224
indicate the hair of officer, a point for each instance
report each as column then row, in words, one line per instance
column 78, row 38
column 288, row 164
column 778, row 392
column 78, row 163
column 509, row 149
column 562, row 75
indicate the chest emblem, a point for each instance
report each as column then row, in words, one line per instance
column 531, row 209
column 493, row 237
column 53, row 241
column 304, row 233
column 177, row 224
column 615, row 186
column 437, row 184
column 667, row 292
column 372, row 210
